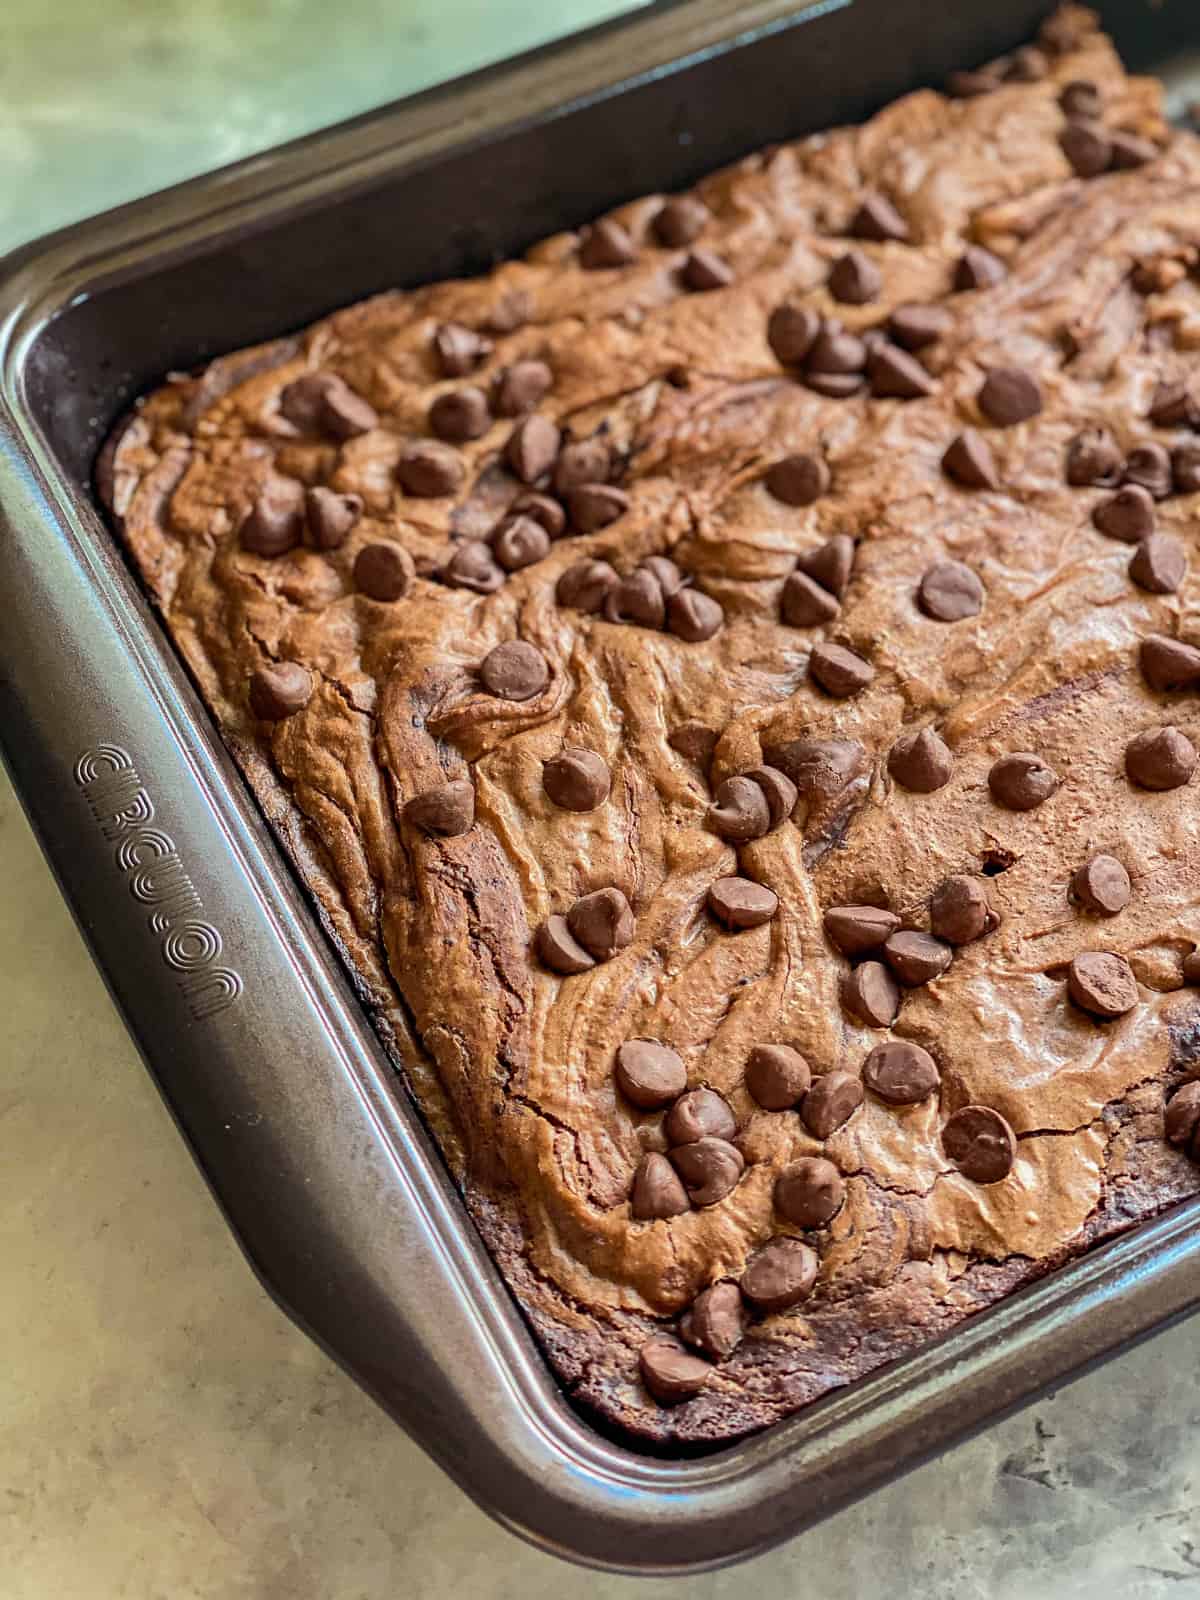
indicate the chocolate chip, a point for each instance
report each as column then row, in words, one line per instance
column 459, row 350
column 650, row 1074
column 832, row 1101
column 830, row 564
column 1102, row 983
column 777, row 1076
column 637, row 599
column 670, row 576
column 585, row 585
column 670, row 1373
column 1126, row 515
column 329, row 516
column 836, row 352
column 695, row 742
column 791, row 332
column 980, row 1144
column 459, row 415
column 447, row 810
column 705, row 269
column 605, row 244
column 1172, row 406
column 514, row 670
column 1160, row 758
column 839, row 671
column 778, row 790
column 959, row 911
column 970, row 85
column 917, row 958
column 739, row 811
column 715, row 1321
column 914, row 326
column 519, row 542
column 877, row 218
column 428, row 469
column 1150, row 465
column 1087, row 147
column 857, row 929
column 1028, row 65
column 1021, row 781
column 969, row 461
column 276, row 520
column 521, row 387
column 699, row 1114
column 896, row 375
column 1181, row 1120
column 870, row 993
column 900, row 1073
column 835, row 385
column 558, row 948
column 978, row 269
column 1009, row 395
column 472, row 566
column 680, row 220
column 949, row 592
column 1159, row 564
column 1102, row 885
column 576, row 779
column 921, row 761
column 603, row 922
column 780, row 1275
column 1128, row 151
column 657, row 1191
column 1169, row 663
column 809, row 1192
column 820, row 768
column 511, row 311
column 694, row 616
column 594, row 505
column 321, row 402
column 279, row 689
column 1190, row 967
column 580, row 462
column 1081, row 98
column 542, row 509
column 1185, row 468
column 797, row 480
column 382, row 572
column 741, row 903
column 855, row 279
column 1094, row 458
column 532, row 447
column 710, row 1169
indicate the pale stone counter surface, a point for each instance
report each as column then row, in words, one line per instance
column 165, row 1433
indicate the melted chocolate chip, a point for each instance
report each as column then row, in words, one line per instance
column 459, row 350
column 820, row 768
column 276, row 520
column 978, row 269
column 777, row 1076
column 279, row 689
column 832, row 1101
column 705, row 269
column 913, row 326
column 330, row 516
column 917, row 958
column 836, row 352
column 602, row 922
column 1172, row 406
column 778, row 790
column 1094, row 458
column 694, row 616
column 657, row 1191
column 576, row 779
column 428, row 470
column 1087, row 147
column 871, row 994
column 798, row 480
column 1128, row 151
column 321, row 402
column 670, row 578
column 514, row 670
column 716, row 1320
column 586, row 585
column 855, row 279
column 969, row 461
column 605, row 244
column 1159, row 564
column 1181, row 1120
column 741, row 903
column 791, row 333
column 558, row 948
column 542, row 509
column 650, row 1075
column 980, row 1143
column 1185, row 468
column 877, row 218
column 959, row 911
column 1169, row 663
column 1160, row 758
column 780, row 1275
column 1010, row 395
column 1102, row 984
column 521, row 387
column 900, row 1073
column 840, row 672
column 1081, row 98
column 519, row 542
column 1102, row 885
column 739, row 811
column 580, row 462
column 810, row 1192
column 594, row 505
column 670, row 1373
column 834, row 385
column 637, row 599
column 532, row 447
column 447, row 810
column 699, row 1114
column 856, row 929
column 695, row 742
column 1127, row 515
column 382, row 572
column 1150, row 465
column 680, row 220
column 1021, row 781
column 472, row 566
column 921, row 761
column 459, row 415
column 950, row 592
column 710, row 1169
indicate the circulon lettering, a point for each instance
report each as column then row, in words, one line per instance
column 155, row 877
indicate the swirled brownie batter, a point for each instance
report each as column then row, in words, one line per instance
column 728, row 681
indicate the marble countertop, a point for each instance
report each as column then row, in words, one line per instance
column 165, row 1433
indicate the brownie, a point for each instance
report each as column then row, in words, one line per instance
column 728, row 683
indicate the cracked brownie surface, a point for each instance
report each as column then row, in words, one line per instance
column 905, row 408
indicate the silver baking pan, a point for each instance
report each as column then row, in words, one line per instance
column 242, row 1011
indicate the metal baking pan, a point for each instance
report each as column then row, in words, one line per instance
column 244, row 1015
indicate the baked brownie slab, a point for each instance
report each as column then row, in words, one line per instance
column 728, row 682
